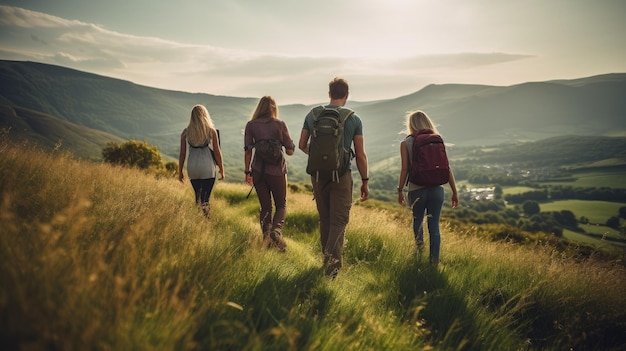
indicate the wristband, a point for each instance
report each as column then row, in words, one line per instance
column 399, row 190
column 364, row 179
column 248, row 172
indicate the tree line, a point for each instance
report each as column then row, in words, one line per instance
column 560, row 192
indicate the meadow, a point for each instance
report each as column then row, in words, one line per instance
column 612, row 177
column 596, row 211
column 108, row 258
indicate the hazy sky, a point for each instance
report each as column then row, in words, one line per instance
column 291, row 49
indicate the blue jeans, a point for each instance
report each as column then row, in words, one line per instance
column 427, row 201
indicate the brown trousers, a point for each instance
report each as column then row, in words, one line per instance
column 268, row 186
column 333, row 200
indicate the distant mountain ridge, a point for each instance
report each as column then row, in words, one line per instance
column 466, row 114
column 53, row 133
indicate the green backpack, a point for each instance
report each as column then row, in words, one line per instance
column 328, row 157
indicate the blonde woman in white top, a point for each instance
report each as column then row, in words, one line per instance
column 205, row 156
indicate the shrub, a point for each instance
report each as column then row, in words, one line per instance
column 133, row 153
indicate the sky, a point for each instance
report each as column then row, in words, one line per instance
column 291, row 49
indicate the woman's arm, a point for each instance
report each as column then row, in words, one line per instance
column 455, row 196
column 404, row 172
column 247, row 158
column 218, row 152
column 287, row 141
column 248, row 140
column 182, row 155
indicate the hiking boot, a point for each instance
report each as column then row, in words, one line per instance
column 277, row 239
column 331, row 267
column 331, row 274
column 419, row 252
column 267, row 241
column 206, row 210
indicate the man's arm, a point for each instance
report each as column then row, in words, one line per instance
column 361, row 164
column 303, row 144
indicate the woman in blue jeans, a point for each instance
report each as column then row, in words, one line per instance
column 423, row 200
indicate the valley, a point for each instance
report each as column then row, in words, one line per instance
column 517, row 139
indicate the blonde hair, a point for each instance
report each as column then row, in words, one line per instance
column 200, row 125
column 266, row 108
column 418, row 120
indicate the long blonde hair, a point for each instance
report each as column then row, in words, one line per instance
column 200, row 125
column 266, row 108
column 418, row 120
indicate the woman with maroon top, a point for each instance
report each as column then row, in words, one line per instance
column 270, row 180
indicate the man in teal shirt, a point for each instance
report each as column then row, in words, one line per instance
column 334, row 198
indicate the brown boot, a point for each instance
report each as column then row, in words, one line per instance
column 331, row 267
column 277, row 239
column 267, row 240
column 265, row 229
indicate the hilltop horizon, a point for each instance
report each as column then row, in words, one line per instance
column 291, row 52
column 603, row 76
column 466, row 114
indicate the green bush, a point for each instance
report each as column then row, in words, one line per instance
column 133, row 153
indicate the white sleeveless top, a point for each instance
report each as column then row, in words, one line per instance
column 200, row 162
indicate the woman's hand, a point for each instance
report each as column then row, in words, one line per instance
column 455, row 200
column 401, row 199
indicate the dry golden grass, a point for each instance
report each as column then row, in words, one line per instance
column 101, row 257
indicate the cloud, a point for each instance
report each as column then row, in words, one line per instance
column 22, row 18
column 458, row 60
column 29, row 35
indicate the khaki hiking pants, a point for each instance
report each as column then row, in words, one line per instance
column 333, row 200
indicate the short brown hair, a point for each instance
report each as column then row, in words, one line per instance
column 338, row 88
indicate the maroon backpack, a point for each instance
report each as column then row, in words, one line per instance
column 429, row 161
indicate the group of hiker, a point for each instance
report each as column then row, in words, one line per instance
column 332, row 137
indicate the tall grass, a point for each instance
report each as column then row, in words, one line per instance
column 106, row 258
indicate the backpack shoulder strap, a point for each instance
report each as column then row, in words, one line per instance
column 345, row 113
column 317, row 111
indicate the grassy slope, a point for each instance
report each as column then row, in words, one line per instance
column 53, row 133
column 98, row 257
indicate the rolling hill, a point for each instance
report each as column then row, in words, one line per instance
column 53, row 133
column 468, row 115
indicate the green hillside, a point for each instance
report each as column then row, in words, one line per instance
column 100, row 257
column 566, row 150
column 471, row 118
column 25, row 125
column 467, row 114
